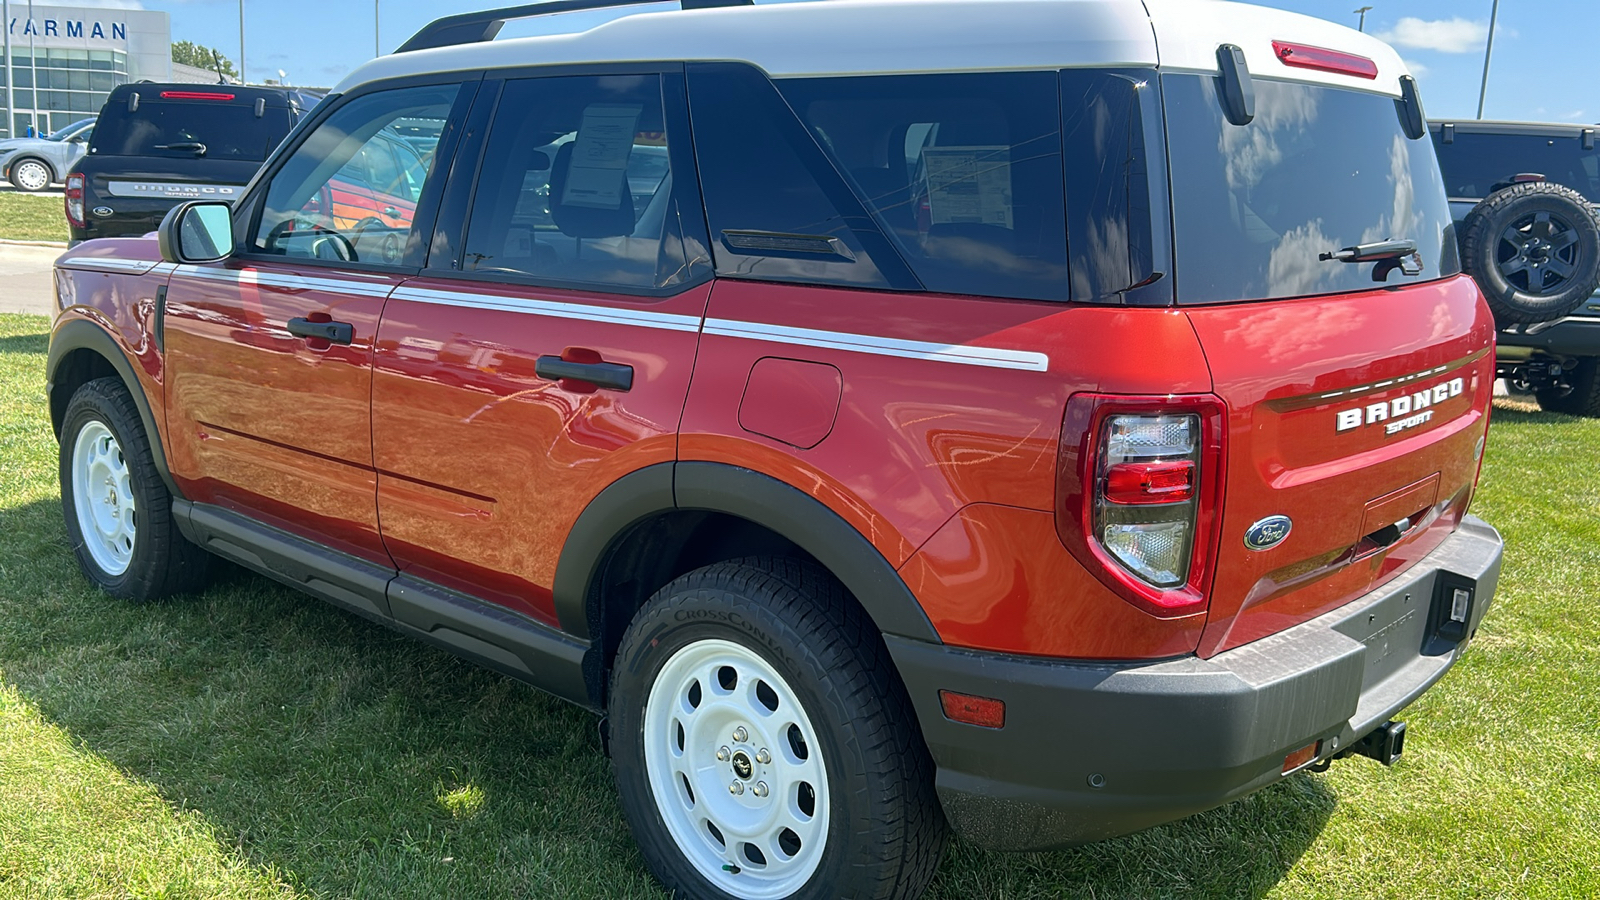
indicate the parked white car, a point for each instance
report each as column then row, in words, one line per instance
column 33, row 164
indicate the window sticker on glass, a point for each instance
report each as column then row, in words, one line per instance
column 600, row 156
column 969, row 185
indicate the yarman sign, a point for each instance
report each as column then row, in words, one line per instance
column 88, row 29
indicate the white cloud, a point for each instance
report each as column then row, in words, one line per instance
column 1573, row 116
column 1444, row 35
column 1416, row 68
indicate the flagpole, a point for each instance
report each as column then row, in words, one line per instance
column 1488, row 52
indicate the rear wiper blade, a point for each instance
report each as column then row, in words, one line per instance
column 195, row 147
column 1369, row 252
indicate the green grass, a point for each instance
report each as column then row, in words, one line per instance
column 251, row 743
column 24, row 217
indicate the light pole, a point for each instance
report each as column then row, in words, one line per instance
column 242, row 78
column 11, row 115
column 377, row 43
column 1488, row 52
column 1362, row 12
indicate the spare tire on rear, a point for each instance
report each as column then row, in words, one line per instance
column 1534, row 249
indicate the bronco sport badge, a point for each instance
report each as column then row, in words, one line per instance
column 1403, row 412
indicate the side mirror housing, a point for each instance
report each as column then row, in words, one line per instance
column 197, row 232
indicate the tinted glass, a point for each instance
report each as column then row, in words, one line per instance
column 326, row 202
column 778, row 209
column 576, row 185
column 1318, row 170
column 62, row 134
column 962, row 171
column 1119, row 230
column 1474, row 164
column 174, row 128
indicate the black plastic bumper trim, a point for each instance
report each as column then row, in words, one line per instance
column 1094, row 750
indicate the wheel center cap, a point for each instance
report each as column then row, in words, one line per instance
column 742, row 766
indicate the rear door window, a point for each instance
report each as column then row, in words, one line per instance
column 1476, row 165
column 963, row 172
column 1319, row 169
column 190, row 129
column 778, row 209
column 576, row 186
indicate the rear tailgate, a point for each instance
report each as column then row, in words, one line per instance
column 129, row 195
column 1349, row 414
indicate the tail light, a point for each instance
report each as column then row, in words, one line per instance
column 75, row 199
column 1140, row 485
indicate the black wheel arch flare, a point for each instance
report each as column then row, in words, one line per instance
column 82, row 334
column 731, row 490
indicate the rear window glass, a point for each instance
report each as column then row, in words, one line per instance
column 962, row 171
column 174, row 128
column 1475, row 164
column 1318, row 170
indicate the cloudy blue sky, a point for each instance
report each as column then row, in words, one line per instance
column 1542, row 49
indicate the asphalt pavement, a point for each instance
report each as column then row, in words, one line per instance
column 25, row 281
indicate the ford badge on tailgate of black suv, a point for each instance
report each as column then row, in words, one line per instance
column 157, row 145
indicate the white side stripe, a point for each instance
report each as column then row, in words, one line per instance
column 106, row 264
column 860, row 343
column 607, row 314
column 989, row 357
column 286, row 281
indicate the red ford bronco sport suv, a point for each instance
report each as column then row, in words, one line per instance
column 1046, row 418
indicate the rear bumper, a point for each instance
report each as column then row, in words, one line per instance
column 1095, row 750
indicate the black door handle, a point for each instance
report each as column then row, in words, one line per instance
column 612, row 376
column 332, row 332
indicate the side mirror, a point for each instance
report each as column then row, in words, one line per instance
column 197, row 232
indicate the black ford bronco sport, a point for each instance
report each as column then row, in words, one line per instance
column 157, row 145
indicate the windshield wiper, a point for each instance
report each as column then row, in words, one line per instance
column 195, row 147
column 1370, row 252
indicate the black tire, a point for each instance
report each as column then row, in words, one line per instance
column 1584, row 397
column 1506, row 245
column 162, row 561
column 886, row 831
column 16, row 174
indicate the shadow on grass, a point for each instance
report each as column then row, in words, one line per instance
column 361, row 763
column 25, row 343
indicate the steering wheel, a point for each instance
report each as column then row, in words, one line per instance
column 342, row 249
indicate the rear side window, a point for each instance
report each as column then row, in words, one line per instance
column 1319, row 169
column 190, row 129
column 1476, row 164
column 577, row 187
column 962, row 171
column 777, row 208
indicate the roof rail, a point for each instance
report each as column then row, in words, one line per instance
column 470, row 28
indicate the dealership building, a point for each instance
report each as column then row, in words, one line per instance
column 66, row 59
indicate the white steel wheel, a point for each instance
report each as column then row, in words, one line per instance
column 102, row 491
column 31, row 175
column 736, row 771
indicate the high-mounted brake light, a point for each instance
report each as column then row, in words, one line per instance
column 1139, row 488
column 75, row 199
column 1305, row 56
column 194, row 95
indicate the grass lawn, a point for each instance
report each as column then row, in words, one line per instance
column 24, row 217
column 251, row 743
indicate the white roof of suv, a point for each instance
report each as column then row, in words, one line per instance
column 858, row 37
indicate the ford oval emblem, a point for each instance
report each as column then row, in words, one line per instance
column 1267, row 533
column 102, row 211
